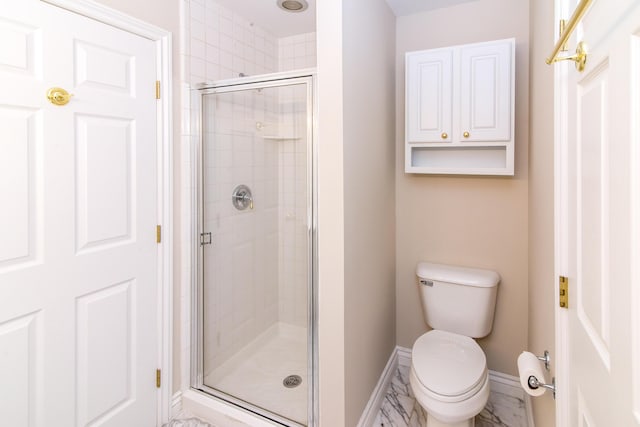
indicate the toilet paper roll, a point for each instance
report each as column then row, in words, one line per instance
column 528, row 365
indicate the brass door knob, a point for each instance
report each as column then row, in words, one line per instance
column 58, row 96
column 444, row 135
column 466, row 134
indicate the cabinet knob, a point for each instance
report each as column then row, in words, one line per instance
column 466, row 134
column 444, row 135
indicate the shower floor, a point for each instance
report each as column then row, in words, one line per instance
column 256, row 372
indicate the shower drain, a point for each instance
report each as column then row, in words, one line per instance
column 292, row 381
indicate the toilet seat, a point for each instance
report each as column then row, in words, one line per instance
column 448, row 366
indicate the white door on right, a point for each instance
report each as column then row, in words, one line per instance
column 598, row 218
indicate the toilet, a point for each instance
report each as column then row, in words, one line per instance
column 449, row 376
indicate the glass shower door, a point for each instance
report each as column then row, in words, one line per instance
column 256, row 251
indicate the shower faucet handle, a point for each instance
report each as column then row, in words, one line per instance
column 242, row 198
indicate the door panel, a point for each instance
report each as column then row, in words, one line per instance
column 20, row 368
column 105, row 362
column 430, row 96
column 19, row 52
column 78, row 256
column 597, row 193
column 102, row 67
column 105, row 187
column 20, row 150
column 592, row 211
column 485, row 92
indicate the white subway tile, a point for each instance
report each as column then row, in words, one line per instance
column 213, row 71
column 197, row 67
column 226, row 26
column 198, row 49
column 213, row 54
column 213, row 36
column 226, row 44
column 197, row 30
column 197, row 11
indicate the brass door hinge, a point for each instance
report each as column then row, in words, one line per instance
column 158, row 233
column 564, row 292
column 157, row 89
column 158, row 378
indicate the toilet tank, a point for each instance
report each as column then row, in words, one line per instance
column 458, row 299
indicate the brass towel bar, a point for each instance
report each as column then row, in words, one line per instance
column 580, row 57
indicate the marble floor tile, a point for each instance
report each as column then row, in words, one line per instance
column 400, row 409
column 184, row 419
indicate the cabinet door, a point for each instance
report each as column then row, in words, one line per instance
column 486, row 86
column 429, row 96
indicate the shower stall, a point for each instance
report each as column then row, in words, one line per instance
column 254, row 300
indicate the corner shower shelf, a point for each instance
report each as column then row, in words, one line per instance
column 281, row 138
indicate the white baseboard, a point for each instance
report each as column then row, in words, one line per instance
column 176, row 404
column 401, row 356
column 404, row 356
column 375, row 402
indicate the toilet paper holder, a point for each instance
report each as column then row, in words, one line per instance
column 534, row 383
column 546, row 358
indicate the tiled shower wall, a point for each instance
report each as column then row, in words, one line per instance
column 218, row 43
column 293, row 278
column 297, row 52
column 241, row 277
column 223, row 45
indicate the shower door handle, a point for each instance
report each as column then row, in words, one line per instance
column 205, row 239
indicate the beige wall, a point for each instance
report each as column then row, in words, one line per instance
column 541, row 242
column 166, row 15
column 356, row 203
column 331, row 369
column 469, row 221
column 368, row 57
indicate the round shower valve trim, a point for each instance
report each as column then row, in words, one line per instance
column 242, row 197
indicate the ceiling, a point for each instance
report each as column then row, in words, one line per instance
column 409, row 7
column 267, row 14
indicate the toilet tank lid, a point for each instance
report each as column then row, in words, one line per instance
column 460, row 275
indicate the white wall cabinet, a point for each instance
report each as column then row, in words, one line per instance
column 460, row 105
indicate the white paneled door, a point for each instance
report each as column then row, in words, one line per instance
column 78, row 214
column 598, row 218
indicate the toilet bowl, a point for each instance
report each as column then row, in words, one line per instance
column 449, row 378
